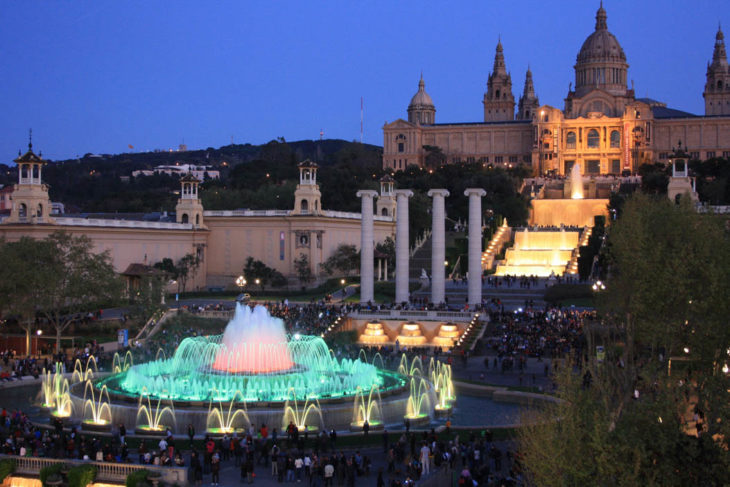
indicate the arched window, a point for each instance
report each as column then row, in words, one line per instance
column 39, row 211
column 305, row 205
column 497, row 94
column 570, row 140
column 22, row 210
column 184, row 218
column 615, row 139
column 593, row 139
column 315, row 205
column 384, row 212
column 24, row 171
column 400, row 140
column 197, row 219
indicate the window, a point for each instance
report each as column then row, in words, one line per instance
column 615, row 166
column 305, row 206
column 615, row 139
column 197, row 219
column 384, row 212
column 663, row 156
column 400, row 139
column 184, row 218
column 470, row 160
column 726, row 154
column 695, row 155
column 568, row 166
column 593, row 166
column 512, row 158
column 710, row 154
column 527, row 158
column 401, row 147
column 498, row 159
column 282, row 245
column 593, row 139
column 570, row 140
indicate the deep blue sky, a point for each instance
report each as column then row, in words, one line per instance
column 94, row 76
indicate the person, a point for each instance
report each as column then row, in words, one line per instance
column 425, row 465
column 215, row 469
column 122, row 433
column 366, row 428
column 191, row 433
column 329, row 472
column 380, row 482
column 408, row 425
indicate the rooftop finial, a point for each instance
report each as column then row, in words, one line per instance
column 601, row 16
column 30, row 139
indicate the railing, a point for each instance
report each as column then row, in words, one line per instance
column 419, row 242
column 395, row 314
column 717, row 209
column 151, row 327
column 107, row 472
column 100, row 222
column 246, row 213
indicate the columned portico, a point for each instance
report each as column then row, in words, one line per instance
column 438, row 245
column 475, row 245
column 402, row 270
column 367, row 245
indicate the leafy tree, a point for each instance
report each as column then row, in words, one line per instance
column 255, row 269
column 303, row 269
column 345, row 259
column 167, row 265
column 666, row 297
column 186, row 268
column 387, row 247
column 434, row 157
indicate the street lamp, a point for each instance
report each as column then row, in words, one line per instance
column 240, row 282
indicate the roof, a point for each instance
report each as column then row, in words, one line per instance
column 29, row 157
column 189, row 178
column 139, row 270
column 665, row 112
column 386, row 179
column 652, row 102
column 308, row 163
column 503, row 122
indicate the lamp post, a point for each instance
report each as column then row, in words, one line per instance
column 240, row 282
column 638, row 135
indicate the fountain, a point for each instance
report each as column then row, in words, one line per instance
column 228, row 421
column 447, row 335
column 576, row 183
column 83, row 373
column 300, row 417
column 153, row 418
column 253, row 373
column 419, row 402
column 367, row 409
column 374, row 334
column 100, row 414
column 411, row 335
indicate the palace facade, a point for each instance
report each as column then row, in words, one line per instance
column 221, row 240
column 603, row 128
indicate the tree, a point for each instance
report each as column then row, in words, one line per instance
column 667, row 288
column 255, row 269
column 186, row 268
column 345, row 259
column 303, row 269
column 387, row 247
column 74, row 280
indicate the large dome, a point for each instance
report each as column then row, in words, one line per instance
column 601, row 62
column 601, row 45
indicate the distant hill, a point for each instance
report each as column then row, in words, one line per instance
column 103, row 182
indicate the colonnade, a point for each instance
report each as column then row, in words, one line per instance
column 438, row 246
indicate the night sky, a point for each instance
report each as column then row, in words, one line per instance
column 96, row 76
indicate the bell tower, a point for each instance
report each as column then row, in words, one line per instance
column 31, row 203
column 385, row 206
column 307, row 198
column 717, row 88
column 499, row 102
column 189, row 208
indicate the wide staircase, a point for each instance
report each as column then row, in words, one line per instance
column 421, row 259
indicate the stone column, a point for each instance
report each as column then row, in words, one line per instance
column 475, row 245
column 402, row 255
column 366, row 246
column 438, row 245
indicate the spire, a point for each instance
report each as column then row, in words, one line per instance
column 529, row 90
column 719, row 55
column 30, row 140
column 499, row 59
column 601, row 18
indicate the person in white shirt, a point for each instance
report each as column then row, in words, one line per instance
column 425, row 463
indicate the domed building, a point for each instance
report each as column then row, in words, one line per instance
column 602, row 128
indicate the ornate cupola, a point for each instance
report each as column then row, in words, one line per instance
column 385, row 205
column 681, row 183
column 499, row 102
column 528, row 101
column 717, row 88
column 307, row 198
column 31, row 203
column 421, row 110
column 189, row 208
column 601, row 63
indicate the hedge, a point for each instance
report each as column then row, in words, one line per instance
column 82, row 475
column 54, row 469
column 7, row 466
column 137, row 478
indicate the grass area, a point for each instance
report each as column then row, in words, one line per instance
column 185, row 321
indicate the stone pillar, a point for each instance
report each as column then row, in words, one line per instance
column 475, row 245
column 366, row 246
column 438, row 245
column 402, row 254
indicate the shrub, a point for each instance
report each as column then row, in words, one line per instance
column 562, row 292
column 7, row 466
column 82, row 475
column 137, row 478
column 54, row 469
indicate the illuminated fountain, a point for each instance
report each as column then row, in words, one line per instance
column 539, row 253
column 420, row 401
column 447, row 335
column 374, row 334
column 576, row 183
column 410, row 334
column 254, row 373
column 97, row 414
column 367, row 409
column 440, row 375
